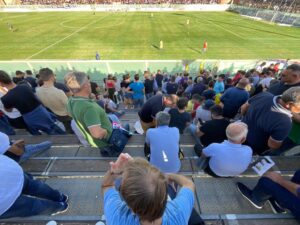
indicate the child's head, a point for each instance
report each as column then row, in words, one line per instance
column 136, row 77
column 182, row 103
column 196, row 98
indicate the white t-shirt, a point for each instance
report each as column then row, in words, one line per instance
column 13, row 114
column 4, row 143
column 11, row 182
column 266, row 82
column 228, row 159
column 203, row 114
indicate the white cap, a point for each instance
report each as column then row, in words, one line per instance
column 138, row 127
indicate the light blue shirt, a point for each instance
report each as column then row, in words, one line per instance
column 219, row 87
column 164, row 148
column 228, row 159
column 11, row 182
column 177, row 212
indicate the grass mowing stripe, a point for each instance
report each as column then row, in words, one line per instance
column 75, row 32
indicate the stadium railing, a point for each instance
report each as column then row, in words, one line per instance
column 268, row 15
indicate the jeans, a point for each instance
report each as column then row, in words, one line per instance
column 31, row 150
column 138, row 103
column 193, row 131
column 37, row 198
column 266, row 189
column 5, row 127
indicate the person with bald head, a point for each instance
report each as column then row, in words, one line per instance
column 229, row 158
column 234, row 98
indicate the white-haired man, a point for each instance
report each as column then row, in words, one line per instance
column 229, row 158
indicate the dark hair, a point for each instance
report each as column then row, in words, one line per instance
column 198, row 97
column 4, row 77
column 182, row 103
column 173, row 78
column 45, row 74
column 136, row 77
column 216, row 110
column 144, row 189
column 211, row 84
column 294, row 67
column 28, row 72
column 18, row 72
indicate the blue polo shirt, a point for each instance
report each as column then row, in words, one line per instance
column 228, row 159
column 164, row 148
column 233, row 99
column 219, row 87
column 265, row 118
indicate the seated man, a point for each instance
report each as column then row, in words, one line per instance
column 203, row 113
column 154, row 105
column 164, row 145
column 144, row 195
column 90, row 118
column 22, row 195
column 234, row 98
column 269, row 119
column 20, row 152
column 212, row 131
column 53, row 98
column 279, row 192
column 21, row 97
column 230, row 158
column 179, row 117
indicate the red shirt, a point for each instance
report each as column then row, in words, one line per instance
column 205, row 45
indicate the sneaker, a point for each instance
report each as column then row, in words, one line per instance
column 247, row 193
column 65, row 207
column 276, row 208
column 65, row 198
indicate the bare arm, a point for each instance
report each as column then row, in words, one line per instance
column 273, row 144
column 182, row 181
column 97, row 132
column 244, row 108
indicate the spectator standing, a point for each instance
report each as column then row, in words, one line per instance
column 138, row 90
column 159, row 79
column 19, row 77
column 148, row 83
column 179, row 117
column 110, row 86
column 127, row 95
column 219, row 85
column 172, row 86
column 199, row 87
column 31, row 80
column 209, row 93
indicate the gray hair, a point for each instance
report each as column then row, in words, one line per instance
column 237, row 131
column 163, row 119
column 75, row 80
column 291, row 95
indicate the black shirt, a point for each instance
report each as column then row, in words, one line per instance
column 179, row 120
column 148, row 86
column 214, row 131
column 198, row 89
column 62, row 87
column 150, row 108
column 94, row 87
column 32, row 82
column 171, row 88
column 278, row 89
column 209, row 94
column 22, row 98
column 159, row 78
column 16, row 80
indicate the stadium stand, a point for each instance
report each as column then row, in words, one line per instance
column 78, row 170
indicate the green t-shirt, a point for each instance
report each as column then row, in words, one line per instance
column 86, row 112
column 295, row 133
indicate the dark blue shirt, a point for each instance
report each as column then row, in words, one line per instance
column 233, row 99
column 171, row 88
column 179, row 120
column 198, row 88
column 266, row 118
column 279, row 88
column 209, row 94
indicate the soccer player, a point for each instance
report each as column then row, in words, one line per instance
column 187, row 22
column 161, row 44
column 97, row 56
column 205, row 45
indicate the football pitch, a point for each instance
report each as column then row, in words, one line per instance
column 137, row 35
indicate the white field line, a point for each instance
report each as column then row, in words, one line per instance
column 70, row 35
column 62, row 24
column 11, row 17
column 229, row 31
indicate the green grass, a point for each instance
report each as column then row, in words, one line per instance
column 78, row 35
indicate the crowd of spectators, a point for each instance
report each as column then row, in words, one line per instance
column 290, row 6
column 231, row 118
column 91, row 2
